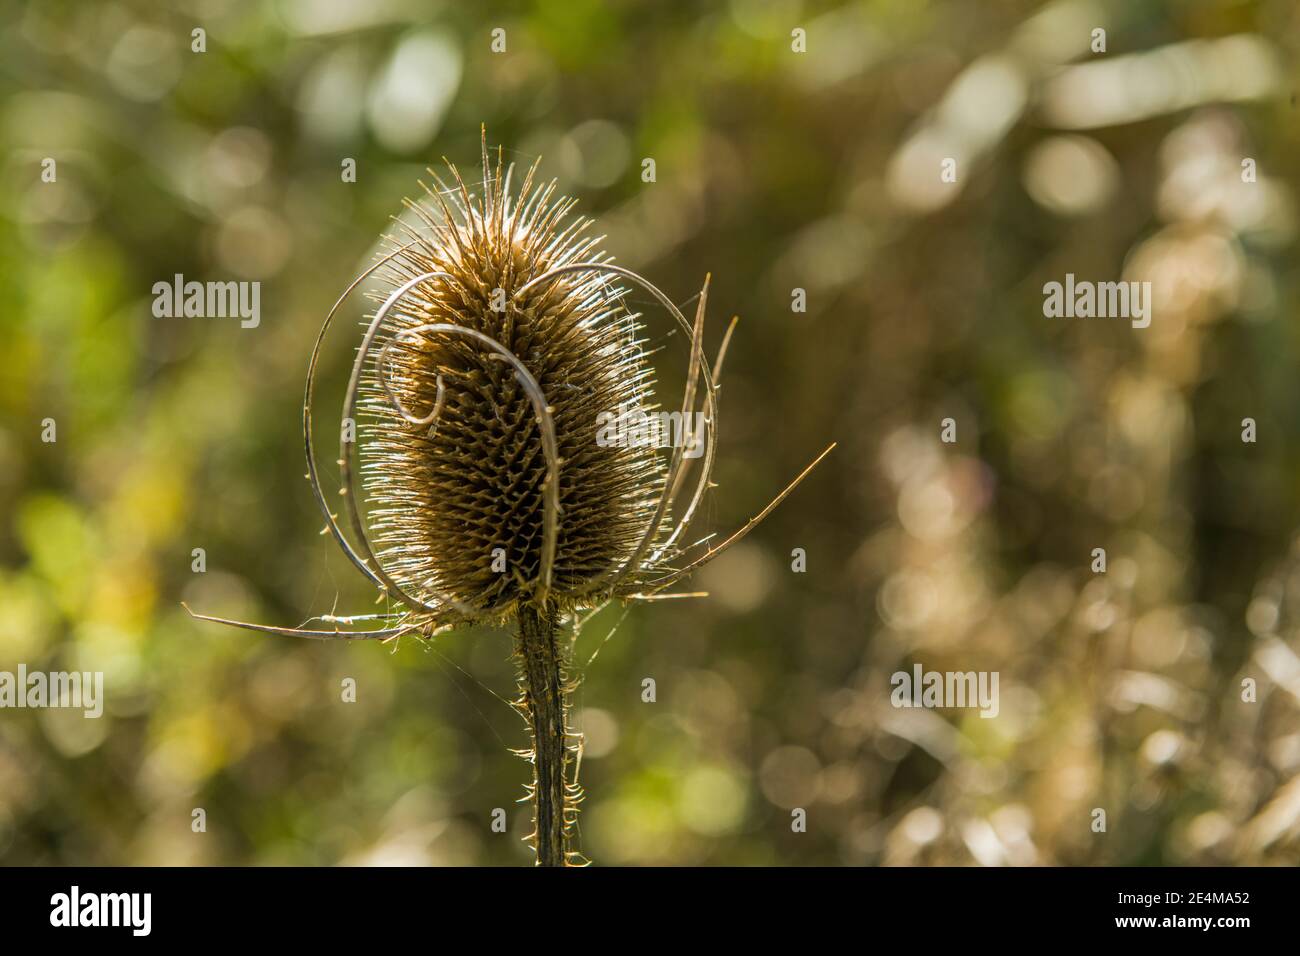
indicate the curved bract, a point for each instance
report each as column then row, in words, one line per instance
column 551, row 513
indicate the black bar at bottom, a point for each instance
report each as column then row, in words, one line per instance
column 335, row 906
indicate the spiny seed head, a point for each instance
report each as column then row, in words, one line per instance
column 481, row 383
column 477, row 397
column 457, row 503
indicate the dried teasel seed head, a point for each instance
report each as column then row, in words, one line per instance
column 453, row 459
column 501, row 341
column 500, row 500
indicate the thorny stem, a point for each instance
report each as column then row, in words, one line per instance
column 544, row 701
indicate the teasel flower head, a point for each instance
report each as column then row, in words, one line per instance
column 474, row 486
column 486, row 482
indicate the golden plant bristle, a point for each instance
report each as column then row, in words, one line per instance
column 443, row 498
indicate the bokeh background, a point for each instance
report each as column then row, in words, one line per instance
column 775, row 170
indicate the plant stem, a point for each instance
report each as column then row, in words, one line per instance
column 544, row 701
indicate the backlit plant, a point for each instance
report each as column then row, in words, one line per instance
column 469, row 425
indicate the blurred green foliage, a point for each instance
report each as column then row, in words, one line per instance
column 775, row 170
